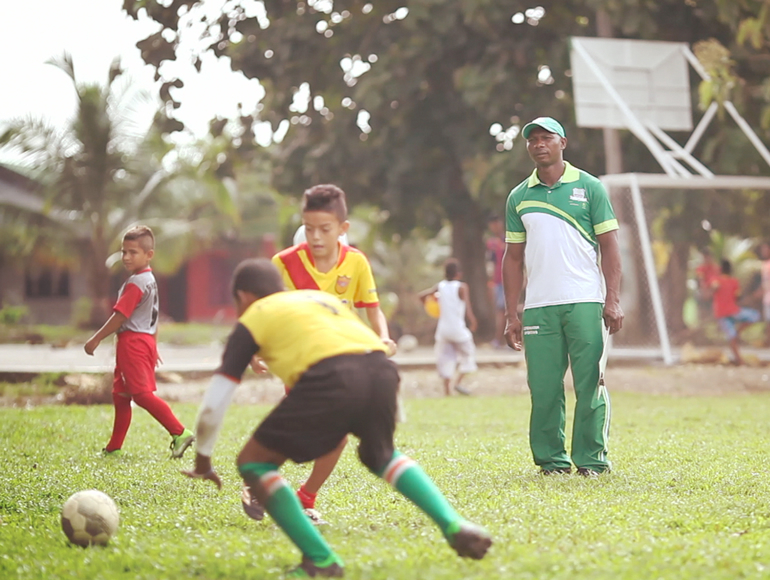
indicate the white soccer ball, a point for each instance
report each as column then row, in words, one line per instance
column 89, row 517
column 407, row 343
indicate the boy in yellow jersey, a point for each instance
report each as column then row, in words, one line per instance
column 323, row 263
column 339, row 381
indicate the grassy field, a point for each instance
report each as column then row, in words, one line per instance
column 177, row 333
column 689, row 498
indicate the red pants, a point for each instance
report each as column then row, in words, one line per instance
column 135, row 359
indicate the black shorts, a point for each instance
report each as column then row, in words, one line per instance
column 352, row 393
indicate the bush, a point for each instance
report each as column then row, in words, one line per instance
column 81, row 312
column 13, row 314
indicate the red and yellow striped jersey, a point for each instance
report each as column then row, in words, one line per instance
column 351, row 280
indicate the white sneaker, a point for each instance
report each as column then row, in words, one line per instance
column 315, row 517
column 462, row 390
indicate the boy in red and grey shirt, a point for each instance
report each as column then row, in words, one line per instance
column 135, row 319
column 731, row 317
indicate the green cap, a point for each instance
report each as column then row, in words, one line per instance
column 548, row 123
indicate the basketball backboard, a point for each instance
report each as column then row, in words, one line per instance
column 651, row 77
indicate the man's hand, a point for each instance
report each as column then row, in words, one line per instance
column 203, row 470
column 513, row 332
column 613, row 316
column 258, row 365
column 91, row 345
column 391, row 345
column 158, row 360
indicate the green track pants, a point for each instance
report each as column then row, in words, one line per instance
column 555, row 336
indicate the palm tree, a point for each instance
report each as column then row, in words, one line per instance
column 97, row 175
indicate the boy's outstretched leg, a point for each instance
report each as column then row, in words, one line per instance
column 181, row 438
column 404, row 474
column 322, row 469
column 259, row 468
column 122, row 422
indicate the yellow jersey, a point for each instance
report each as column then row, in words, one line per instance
column 296, row 329
column 351, row 280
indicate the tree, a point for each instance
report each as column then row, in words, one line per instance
column 96, row 176
column 416, row 107
column 398, row 102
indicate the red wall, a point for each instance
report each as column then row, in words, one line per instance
column 208, row 288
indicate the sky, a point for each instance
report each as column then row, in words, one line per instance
column 33, row 31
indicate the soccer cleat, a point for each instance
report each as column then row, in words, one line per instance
column 462, row 390
column 556, row 471
column 331, row 568
column 469, row 540
column 251, row 505
column 180, row 443
column 113, row 453
column 587, row 472
column 315, row 517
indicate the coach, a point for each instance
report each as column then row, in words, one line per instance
column 559, row 222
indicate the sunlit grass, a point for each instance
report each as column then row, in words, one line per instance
column 689, row 497
column 177, row 333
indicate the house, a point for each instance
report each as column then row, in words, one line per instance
column 45, row 286
column 55, row 293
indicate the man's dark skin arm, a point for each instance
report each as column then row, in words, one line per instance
column 611, row 268
column 513, row 281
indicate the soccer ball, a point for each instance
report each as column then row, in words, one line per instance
column 89, row 517
column 431, row 306
column 407, row 343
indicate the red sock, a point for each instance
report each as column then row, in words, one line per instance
column 122, row 421
column 306, row 498
column 160, row 410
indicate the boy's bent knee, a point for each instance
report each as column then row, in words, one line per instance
column 255, row 452
column 375, row 459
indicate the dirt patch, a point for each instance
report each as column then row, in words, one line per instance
column 683, row 380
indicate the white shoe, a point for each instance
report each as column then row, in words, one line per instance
column 462, row 390
column 315, row 517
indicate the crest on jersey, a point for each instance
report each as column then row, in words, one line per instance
column 578, row 194
column 342, row 284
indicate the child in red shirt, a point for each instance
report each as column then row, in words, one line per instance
column 731, row 317
column 135, row 319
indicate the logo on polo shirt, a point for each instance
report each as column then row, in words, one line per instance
column 342, row 284
column 578, row 194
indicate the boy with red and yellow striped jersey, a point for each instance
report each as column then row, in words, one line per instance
column 323, row 263
column 339, row 381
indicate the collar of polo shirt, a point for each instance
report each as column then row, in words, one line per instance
column 570, row 175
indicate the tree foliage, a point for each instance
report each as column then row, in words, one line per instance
column 416, row 106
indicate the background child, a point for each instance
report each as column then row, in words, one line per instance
column 731, row 317
column 135, row 319
column 453, row 339
column 340, row 382
column 764, row 254
column 322, row 262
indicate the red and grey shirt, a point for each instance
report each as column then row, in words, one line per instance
column 138, row 302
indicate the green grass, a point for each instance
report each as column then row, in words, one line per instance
column 193, row 333
column 42, row 385
column 689, row 498
column 177, row 333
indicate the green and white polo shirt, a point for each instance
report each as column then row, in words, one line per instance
column 559, row 225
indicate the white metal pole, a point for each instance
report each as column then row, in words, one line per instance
column 746, row 128
column 649, row 266
column 696, row 64
column 666, row 139
column 701, row 128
